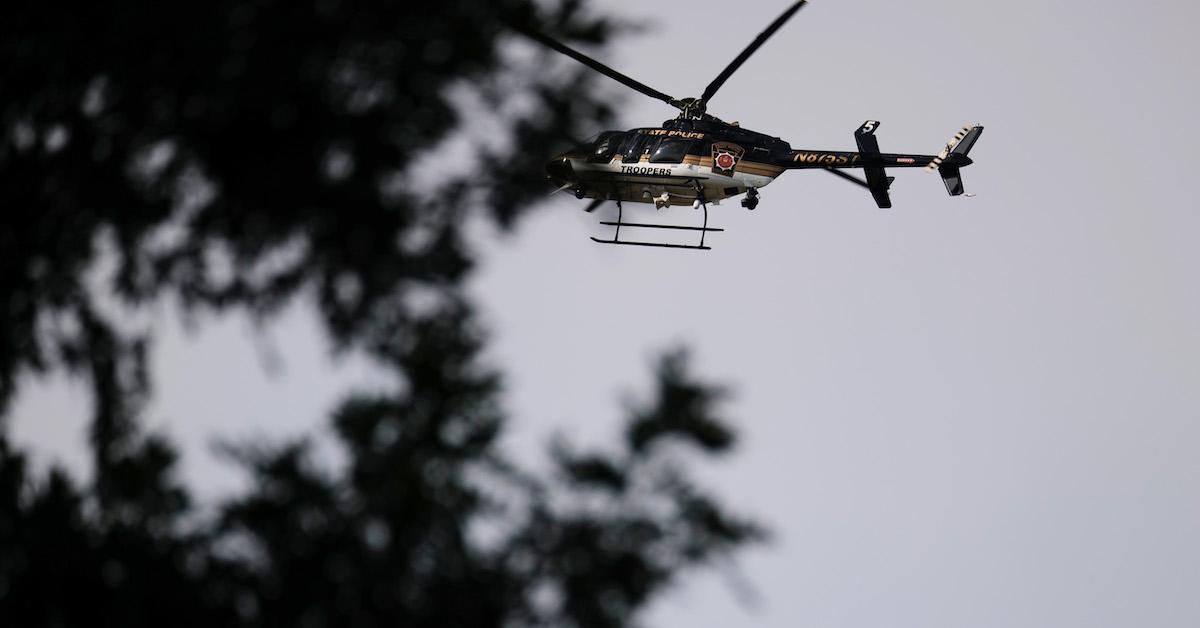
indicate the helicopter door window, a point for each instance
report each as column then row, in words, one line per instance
column 634, row 147
column 605, row 146
column 671, row 150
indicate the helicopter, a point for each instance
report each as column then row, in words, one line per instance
column 696, row 158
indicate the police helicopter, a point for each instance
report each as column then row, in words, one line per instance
column 697, row 158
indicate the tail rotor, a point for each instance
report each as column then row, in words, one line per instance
column 950, row 146
column 954, row 156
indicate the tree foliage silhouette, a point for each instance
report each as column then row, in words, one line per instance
column 233, row 155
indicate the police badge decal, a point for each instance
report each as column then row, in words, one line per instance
column 725, row 157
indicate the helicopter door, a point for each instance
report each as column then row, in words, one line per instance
column 634, row 147
column 671, row 150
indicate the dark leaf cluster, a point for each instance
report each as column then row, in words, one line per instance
column 233, row 155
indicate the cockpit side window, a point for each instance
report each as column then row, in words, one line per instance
column 634, row 146
column 605, row 146
column 672, row 150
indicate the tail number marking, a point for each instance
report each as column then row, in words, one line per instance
column 824, row 159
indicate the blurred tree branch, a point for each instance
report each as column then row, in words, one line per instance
column 231, row 155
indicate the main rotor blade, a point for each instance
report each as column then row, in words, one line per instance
column 754, row 45
column 849, row 177
column 594, row 204
column 597, row 66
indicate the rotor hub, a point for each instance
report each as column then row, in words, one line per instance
column 691, row 108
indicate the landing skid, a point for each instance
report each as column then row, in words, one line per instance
column 704, row 230
column 658, row 244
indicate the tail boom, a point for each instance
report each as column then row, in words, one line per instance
column 801, row 159
column 948, row 162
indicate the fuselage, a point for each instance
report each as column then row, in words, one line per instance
column 684, row 159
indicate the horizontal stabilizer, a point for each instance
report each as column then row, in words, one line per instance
column 877, row 180
column 865, row 138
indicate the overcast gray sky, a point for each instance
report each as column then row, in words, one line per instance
column 959, row 412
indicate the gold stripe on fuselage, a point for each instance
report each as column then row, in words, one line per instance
column 760, row 169
column 748, row 167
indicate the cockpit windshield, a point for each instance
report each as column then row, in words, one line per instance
column 602, row 147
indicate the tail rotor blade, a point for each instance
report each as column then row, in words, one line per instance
column 937, row 161
column 849, row 177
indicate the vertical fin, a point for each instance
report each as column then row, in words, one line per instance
column 937, row 161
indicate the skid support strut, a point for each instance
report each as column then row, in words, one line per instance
column 620, row 222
